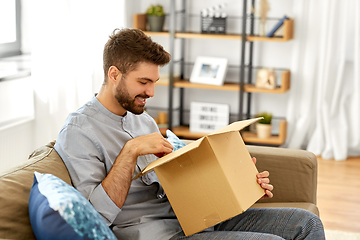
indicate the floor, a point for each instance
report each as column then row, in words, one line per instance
column 339, row 194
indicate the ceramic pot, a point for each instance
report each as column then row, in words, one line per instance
column 156, row 23
column 263, row 130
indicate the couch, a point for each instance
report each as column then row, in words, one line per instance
column 292, row 172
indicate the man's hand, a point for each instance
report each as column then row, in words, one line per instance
column 153, row 143
column 264, row 181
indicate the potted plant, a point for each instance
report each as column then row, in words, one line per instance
column 263, row 126
column 155, row 18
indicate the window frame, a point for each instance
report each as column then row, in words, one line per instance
column 13, row 48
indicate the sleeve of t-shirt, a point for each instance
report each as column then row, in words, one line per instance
column 80, row 152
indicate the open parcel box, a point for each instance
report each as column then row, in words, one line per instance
column 209, row 180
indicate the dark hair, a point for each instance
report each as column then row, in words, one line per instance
column 126, row 48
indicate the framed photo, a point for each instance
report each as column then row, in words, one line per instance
column 266, row 78
column 209, row 70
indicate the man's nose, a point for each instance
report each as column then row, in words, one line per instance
column 150, row 90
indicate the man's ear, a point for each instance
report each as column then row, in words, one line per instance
column 114, row 74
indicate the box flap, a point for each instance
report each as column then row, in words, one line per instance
column 236, row 126
column 169, row 157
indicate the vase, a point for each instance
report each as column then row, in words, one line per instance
column 263, row 130
column 156, row 23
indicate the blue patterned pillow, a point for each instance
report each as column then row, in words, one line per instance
column 174, row 140
column 58, row 211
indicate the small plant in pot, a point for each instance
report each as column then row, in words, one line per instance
column 263, row 126
column 155, row 18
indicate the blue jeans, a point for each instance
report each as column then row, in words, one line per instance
column 265, row 223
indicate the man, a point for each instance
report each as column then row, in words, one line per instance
column 110, row 139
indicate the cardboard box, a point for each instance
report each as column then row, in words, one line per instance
column 209, row 180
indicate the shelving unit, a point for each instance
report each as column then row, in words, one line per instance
column 241, row 87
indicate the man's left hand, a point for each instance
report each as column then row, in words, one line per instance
column 264, row 181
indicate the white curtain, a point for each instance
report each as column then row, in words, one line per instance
column 324, row 107
column 67, row 43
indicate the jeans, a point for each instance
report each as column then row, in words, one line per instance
column 265, row 223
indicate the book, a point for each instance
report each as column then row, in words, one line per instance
column 277, row 26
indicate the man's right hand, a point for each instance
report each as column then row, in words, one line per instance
column 153, row 143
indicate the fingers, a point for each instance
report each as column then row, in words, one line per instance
column 268, row 194
column 168, row 149
column 254, row 160
column 153, row 143
column 167, row 145
column 267, row 186
column 264, row 181
column 160, row 145
column 263, row 174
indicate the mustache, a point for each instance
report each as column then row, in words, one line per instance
column 143, row 96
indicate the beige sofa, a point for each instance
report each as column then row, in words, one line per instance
column 292, row 172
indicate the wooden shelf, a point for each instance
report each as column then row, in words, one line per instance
column 160, row 34
column 140, row 23
column 284, row 87
column 184, row 132
column 185, row 83
column 288, row 34
column 273, row 140
column 164, row 81
column 188, row 84
column 208, row 36
column 219, row 36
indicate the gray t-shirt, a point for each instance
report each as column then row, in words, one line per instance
column 88, row 143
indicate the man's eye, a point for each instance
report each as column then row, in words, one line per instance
column 143, row 83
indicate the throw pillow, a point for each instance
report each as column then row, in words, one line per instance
column 58, row 211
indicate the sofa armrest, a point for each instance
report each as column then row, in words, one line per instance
column 293, row 173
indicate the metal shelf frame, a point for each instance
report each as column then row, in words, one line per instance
column 172, row 33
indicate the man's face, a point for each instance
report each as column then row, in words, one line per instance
column 134, row 88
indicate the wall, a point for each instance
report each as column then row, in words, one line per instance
column 15, row 145
column 16, row 121
column 266, row 54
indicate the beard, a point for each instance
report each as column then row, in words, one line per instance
column 128, row 103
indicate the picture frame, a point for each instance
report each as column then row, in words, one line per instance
column 266, row 78
column 209, row 70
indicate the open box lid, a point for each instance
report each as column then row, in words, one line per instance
column 236, row 126
column 169, row 157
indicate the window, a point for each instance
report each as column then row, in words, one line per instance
column 10, row 28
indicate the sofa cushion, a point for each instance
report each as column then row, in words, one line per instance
column 58, row 211
column 15, row 185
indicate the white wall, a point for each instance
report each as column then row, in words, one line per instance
column 16, row 121
column 266, row 54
